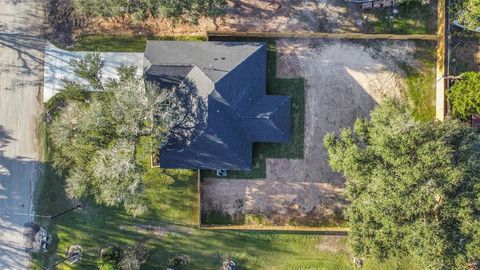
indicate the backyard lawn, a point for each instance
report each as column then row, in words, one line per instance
column 420, row 88
column 169, row 228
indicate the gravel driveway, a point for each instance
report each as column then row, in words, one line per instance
column 21, row 72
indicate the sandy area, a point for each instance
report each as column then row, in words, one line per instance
column 343, row 80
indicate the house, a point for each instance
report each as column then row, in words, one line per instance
column 233, row 109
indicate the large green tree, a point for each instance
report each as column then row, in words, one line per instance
column 413, row 187
column 94, row 130
column 464, row 96
column 467, row 12
column 185, row 10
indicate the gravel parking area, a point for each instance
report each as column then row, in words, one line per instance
column 344, row 80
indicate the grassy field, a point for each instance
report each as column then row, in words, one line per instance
column 420, row 90
column 172, row 211
column 412, row 18
column 121, row 43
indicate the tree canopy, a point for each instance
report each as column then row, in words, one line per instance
column 185, row 10
column 464, row 96
column 413, row 187
column 95, row 128
column 467, row 12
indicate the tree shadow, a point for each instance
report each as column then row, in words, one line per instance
column 192, row 116
column 17, row 176
column 22, row 43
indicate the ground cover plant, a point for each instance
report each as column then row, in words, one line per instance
column 467, row 12
column 464, row 96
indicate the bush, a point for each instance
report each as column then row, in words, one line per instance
column 109, row 258
column 464, row 96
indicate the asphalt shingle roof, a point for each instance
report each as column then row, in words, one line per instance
column 230, row 79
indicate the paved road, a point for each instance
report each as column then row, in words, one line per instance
column 21, row 73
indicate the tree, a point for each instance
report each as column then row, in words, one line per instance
column 464, row 96
column 468, row 13
column 123, row 258
column 133, row 257
column 94, row 135
column 89, row 68
column 413, row 187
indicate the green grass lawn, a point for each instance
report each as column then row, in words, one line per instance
column 420, row 90
column 412, row 18
column 122, row 43
column 172, row 204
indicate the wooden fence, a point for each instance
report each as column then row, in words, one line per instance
column 319, row 35
column 442, row 83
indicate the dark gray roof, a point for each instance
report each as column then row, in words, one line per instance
column 231, row 111
column 168, row 76
column 215, row 59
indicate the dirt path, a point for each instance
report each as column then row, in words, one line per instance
column 21, row 71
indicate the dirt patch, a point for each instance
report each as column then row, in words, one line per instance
column 242, row 15
column 280, row 203
column 158, row 231
column 344, row 80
